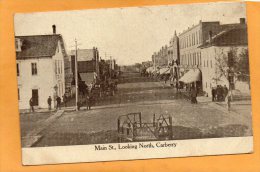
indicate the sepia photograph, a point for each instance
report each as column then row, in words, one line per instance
column 133, row 83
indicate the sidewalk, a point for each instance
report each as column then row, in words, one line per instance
column 34, row 135
column 45, row 110
column 223, row 105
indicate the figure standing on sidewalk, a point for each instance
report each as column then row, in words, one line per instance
column 58, row 99
column 213, row 92
column 87, row 102
column 31, row 105
column 194, row 95
column 49, row 102
column 228, row 99
column 65, row 100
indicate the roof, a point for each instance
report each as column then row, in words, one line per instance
column 84, row 54
column 231, row 36
column 38, row 46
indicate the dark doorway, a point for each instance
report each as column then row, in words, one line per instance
column 35, row 97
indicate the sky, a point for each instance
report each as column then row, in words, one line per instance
column 130, row 35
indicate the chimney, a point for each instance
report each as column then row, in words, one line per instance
column 54, row 29
column 210, row 36
column 242, row 21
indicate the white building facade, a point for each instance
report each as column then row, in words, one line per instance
column 215, row 53
column 40, row 69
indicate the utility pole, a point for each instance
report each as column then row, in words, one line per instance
column 110, row 66
column 76, row 73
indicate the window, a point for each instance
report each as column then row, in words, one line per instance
column 200, row 58
column 206, row 85
column 17, row 69
column 189, row 40
column 16, row 44
column 18, row 94
column 196, row 39
column 60, row 67
column 34, row 68
column 207, row 63
column 211, row 63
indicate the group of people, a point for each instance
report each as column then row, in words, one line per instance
column 49, row 101
column 219, row 93
column 58, row 102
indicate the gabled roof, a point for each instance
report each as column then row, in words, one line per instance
column 231, row 36
column 84, row 54
column 37, row 46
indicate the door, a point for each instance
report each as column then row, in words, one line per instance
column 35, row 97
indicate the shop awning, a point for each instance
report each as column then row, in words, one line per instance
column 192, row 75
column 165, row 70
column 88, row 78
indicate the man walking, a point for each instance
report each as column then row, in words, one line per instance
column 65, row 100
column 49, row 102
column 58, row 99
column 213, row 93
column 228, row 99
column 31, row 105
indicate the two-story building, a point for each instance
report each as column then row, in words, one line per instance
column 215, row 53
column 40, row 68
column 88, row 64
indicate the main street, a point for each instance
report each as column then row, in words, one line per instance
column 138, row 94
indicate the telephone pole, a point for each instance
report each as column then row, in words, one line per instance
column 76, row 73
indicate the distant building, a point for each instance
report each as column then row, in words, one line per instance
column 88, row 64
column 147, row 64
column 41, row 66
column 160, row 58
column 219, row 46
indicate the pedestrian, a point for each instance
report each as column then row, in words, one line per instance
column 193, row 96
column 91, row 100
column 49, row 100
column 65, row 100
column 225, row 90
column 58, row 99
column 213, row 93
column 31, row 105
column 228, row 99
column 87, row 101
column 221, row 93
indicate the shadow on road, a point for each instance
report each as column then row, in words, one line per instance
column 179, row 133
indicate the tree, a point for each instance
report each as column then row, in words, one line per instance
column 232, row 63
column 242, row 68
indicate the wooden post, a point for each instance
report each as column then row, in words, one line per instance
column 170, row 128
column 140, row 118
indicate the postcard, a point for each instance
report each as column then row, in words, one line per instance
column 133, row 83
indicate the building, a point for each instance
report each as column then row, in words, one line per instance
column 160, row 58
column 190, row 53
column 41, row 68
column 173, row 49
column 88, row 64
column 174, row 56
column 213, row 52
column 147, row 64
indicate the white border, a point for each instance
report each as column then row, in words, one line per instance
column 87, row 153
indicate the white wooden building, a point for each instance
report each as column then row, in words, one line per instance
column 40, row 69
